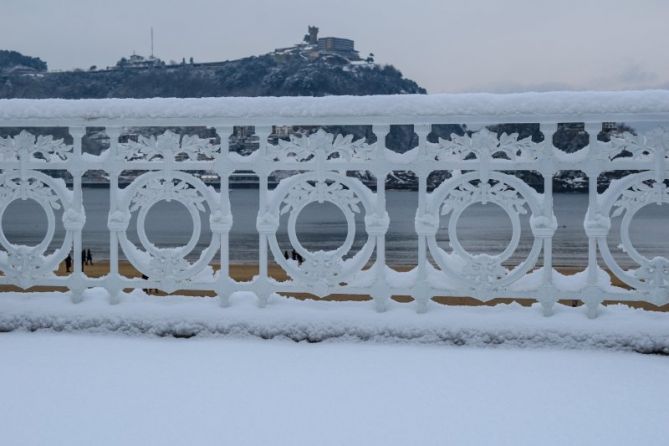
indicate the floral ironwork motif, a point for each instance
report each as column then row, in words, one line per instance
column 472, row 192
column 168, row 189
column 321, row 143
column 13, row 187
column 639, row 195
column 170, row 265
column 320, row 191
column 483, row 143
column 322, row 265
column 322, row 269
column 655, row 272
column 26, row 146
column 483, row 273
column 640, row 147
column 29, row 263
column 168, row 146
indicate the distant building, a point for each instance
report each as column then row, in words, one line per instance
column 139, row 62
column 337, row 45
column 312, row 36
column 312, row 46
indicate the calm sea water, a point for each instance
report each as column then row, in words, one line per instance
column 482, row 228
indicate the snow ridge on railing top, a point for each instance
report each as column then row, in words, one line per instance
column 393, row 107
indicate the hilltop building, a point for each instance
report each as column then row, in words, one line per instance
column 139, row 62
column 338, row 45
column 315, row 46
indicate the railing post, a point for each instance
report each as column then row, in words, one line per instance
column 381, row 293
column 223, row 169
column 592, row 294
column 547, row 291
column 422, row 293
column 116, row 219
column 78, row 278
column 262, row 287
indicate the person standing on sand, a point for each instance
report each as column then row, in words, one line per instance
column 146, row 290
column 68, row 263
column 89, row 257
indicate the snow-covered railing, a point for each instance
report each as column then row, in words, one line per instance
column 481, row 167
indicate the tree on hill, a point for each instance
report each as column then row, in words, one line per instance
column 11, row 59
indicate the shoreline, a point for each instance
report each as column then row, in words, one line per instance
column 244, row 272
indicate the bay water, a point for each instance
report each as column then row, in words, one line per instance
column 482, row 228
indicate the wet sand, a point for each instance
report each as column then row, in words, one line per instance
column 246, row 272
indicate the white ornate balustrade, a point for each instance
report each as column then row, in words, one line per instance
column 317, row 169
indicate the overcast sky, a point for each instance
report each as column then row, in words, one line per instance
column 446, row 46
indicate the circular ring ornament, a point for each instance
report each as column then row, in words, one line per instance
column 321, row 269
column 482, row 272
column 26, row 263
column 626, row 198
column 169, row 265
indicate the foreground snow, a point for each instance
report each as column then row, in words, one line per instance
column 618, row 327
column 86, row 389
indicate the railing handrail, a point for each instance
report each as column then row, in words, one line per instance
column 647, row 105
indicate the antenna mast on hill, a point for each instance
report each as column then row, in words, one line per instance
column 152, row 42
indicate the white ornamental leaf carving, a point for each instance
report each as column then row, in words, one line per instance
column 637, row 147
column 168, row 146
column 633, row 146
column 655, row 272
column 481, row 144
column 168, row 264
column 12, row 188
column 324, row 266
column 483, row 271
column 321, row 144
column 516, row 149
column 460, row 197
column 25, row 146
column 468, row 193
column 24, row 263
column 167, row 189
column 639, row 195
column 320, row 191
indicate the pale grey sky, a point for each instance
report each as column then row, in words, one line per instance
column 446, row 46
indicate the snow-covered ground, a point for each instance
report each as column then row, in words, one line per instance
column 110, row 380
column 94, row 389
column 618, row 327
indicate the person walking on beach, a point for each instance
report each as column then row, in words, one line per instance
column 146, row 290
column 68, row 263
column 89, row 257
column 83, row 259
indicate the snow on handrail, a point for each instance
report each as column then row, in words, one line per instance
column 398, row 109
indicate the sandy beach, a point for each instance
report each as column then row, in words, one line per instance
column 246, row 272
